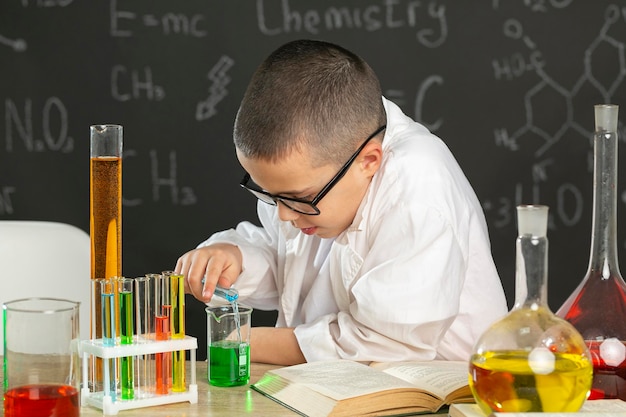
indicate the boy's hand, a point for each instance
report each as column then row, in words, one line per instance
column 220, row 263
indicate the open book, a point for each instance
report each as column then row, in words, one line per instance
column 346, row 388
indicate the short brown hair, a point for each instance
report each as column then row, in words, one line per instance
column 309, row 94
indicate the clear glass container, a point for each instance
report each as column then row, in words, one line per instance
column 597, row 307
column 106, row 200
column 105, row 222
column 105, row 209
column 530, row 360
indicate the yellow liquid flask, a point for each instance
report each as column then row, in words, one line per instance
column 531, row 360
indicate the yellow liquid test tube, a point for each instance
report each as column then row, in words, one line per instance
column 163, row 307
column 177, row 326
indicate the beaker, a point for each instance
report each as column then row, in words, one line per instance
column 41, row 366
column 228, row 344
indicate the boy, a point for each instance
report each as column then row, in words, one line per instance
column 373, row 246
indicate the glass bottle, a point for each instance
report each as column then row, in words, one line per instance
column 597, row 307
column 530, row 360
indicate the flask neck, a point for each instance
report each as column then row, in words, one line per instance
column 603, row 256
column 531, row 272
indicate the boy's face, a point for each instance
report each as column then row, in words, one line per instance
column 295, row 177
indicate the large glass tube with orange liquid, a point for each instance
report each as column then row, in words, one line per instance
column 105, row 210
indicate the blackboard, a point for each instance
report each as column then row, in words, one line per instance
column 508, row 85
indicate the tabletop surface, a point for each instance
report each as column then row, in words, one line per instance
column 212, row 401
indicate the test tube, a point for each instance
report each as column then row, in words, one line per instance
column 144, row 325
column 229, row 294
column 144, row 305
column 108, row 327
column 95, row 362
column 163, row 360
column 177, row 325
column 127, row 333
column 107, row 294
column 177, row 297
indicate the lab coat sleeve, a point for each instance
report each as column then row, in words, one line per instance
column 256, row 283
column 404, row 297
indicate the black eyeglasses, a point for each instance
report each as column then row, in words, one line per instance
column 299, row 205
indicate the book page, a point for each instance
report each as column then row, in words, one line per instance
column 341, row 379
column 437, row 377
column 591, row 408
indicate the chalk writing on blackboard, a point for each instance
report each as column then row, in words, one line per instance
column 539, row 5
column 132, row 84
column 568, row 197
column 6, row 205
column 568, row 208
column 426, row 85
column 548, row 85
column 18, row 45
column 21, row 122
column 123, row 23
column 427, row 18
column 217, row 91
column 398, row 97
column 162, row 176
column 46, row 3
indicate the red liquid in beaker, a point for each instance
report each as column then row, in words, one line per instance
column 41, row 401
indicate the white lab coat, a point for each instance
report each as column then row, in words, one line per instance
column 411, row 279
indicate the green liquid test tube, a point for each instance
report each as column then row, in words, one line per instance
column 127, row 332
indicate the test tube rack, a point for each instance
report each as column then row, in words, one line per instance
column 105, row 401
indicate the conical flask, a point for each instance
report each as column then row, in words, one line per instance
column 597, row 307
column 530, row 360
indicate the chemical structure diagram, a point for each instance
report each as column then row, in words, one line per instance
column 604, row 72
column 18, row 45
column 547, row 85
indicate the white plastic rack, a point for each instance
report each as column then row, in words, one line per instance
column 105, row 401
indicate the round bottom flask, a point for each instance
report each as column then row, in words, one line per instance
column 531, row 360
